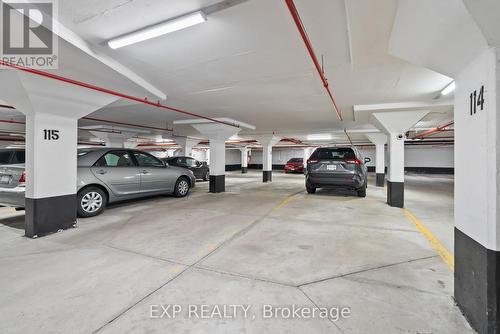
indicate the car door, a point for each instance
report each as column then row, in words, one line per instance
column 119, row 172
column 155, row 175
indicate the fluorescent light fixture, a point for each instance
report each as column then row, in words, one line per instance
column 448, row 89
column 320, row 136
column 158, row 30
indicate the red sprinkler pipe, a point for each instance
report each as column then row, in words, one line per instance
column 11, row 122
column 110, row 92
column 348, row 137
column 307, row 42
column 432, row 131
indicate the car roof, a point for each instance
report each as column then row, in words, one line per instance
column 335, row 147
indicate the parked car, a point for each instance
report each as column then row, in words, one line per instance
column 337, row 167
column 12, row 156
column 199, row 169
column 294, row 165
column 106, row 175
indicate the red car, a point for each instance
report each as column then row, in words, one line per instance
column 295, row 165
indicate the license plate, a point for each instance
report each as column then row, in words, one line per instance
column 5, row 179
column 331, row 167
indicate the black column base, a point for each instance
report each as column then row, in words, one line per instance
column 396, row 194
column 217, row 184
column 267, row 176
column 477, row 283
column 49, row 215
column 380, row 180
column 244, row 170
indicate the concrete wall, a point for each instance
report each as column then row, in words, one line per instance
column 419, row 156
column 415, row 156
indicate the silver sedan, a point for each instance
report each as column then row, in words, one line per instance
column 107, row 175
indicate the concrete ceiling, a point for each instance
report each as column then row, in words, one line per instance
column 249, row 63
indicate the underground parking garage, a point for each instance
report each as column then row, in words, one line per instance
column 256, row 166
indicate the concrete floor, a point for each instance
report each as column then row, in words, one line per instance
column 256, row 244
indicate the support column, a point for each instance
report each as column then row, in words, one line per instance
column 267, row 142
column 50, row 198
column 244, row 159
column 217, row 134
column 396, row 175
column 217, row 164
column 379, row 139
column 116, row 140
column 267, row 163
column 52, row 111
column 477, row 201
column 394, row 125
column 186, row 145
column 308, row 151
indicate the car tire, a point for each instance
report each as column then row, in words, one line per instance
column 206, row 176
column 181, row 187
column 310, row 189
column 362, row 192
column 91, row 202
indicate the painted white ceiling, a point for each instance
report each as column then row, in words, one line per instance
column 249, row 63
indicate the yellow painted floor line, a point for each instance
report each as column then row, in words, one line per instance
column 435, row 243
column 285, row 201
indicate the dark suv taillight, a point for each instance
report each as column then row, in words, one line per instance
column 312, row 161
column 353, row 161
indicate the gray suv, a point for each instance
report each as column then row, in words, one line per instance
column 104, row 176
column 337, row 167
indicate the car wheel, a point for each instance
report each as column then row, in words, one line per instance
column 181, row 187
column 207, row 176
column 362, row 191
column 91, row 202
column 310, row 189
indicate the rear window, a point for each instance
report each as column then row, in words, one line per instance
column 5, row 157
column 296, row 160
column 334, row 153
column 19, row 157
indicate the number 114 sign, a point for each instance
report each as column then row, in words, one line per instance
column 477, row 100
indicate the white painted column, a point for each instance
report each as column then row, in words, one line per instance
column 308, row 151
column 112, row 139
column 267, row 162
column 217, row 164
column 379, row 139
column 396, row 147
column 44, row 150
column 244, row 159
column 380, row 160
column 130, row 144
column 477, row 184
column 52, row 111
column 186, row 145
column 394, row 125
column 267, row 142
column 217, row 133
